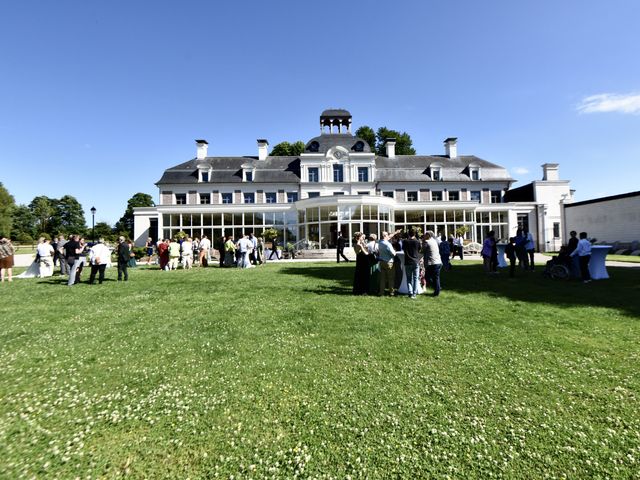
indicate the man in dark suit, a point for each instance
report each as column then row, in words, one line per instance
column 122, row 253
column 274, row 248
column 341, row 242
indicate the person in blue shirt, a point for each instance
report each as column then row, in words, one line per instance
column 584, row 255
column 386, row 255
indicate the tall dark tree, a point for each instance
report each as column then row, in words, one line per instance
column 42, row 209
column 368, row 135
column 68, row 216
column 24, row 224
column 286, row 149
column 404, row 144
column 7, row 207
column 125, row 224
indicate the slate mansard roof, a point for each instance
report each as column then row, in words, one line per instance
column 286, row 170
column 229, row 170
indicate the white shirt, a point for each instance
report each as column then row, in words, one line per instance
column 584, row 248
column 372, row 246
column 187, row 248
column 45, row 249
column 457, row 241
column 245, row 245
column 205, row 244
column 100, row 252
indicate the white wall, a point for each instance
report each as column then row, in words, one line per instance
column 607, row 221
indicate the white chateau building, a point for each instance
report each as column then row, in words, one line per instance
column 339, row 184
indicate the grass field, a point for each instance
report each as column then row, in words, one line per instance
column 279, row 372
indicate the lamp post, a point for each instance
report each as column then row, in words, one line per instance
column 93, row 224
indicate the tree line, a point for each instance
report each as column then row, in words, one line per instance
column 49, row 217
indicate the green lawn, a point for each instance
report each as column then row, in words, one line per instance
column 278, row 371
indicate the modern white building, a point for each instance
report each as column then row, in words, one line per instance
column 612, row 220
column 339, row 184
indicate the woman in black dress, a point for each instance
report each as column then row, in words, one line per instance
column 363, row 268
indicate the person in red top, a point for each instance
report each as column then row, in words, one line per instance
column 163, row 253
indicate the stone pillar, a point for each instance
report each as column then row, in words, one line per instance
column 237, row 196
column 424, row 195
column 215, row 197
column 166, row 198
column 192, row 197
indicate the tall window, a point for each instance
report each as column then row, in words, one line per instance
column 249, row 197
column 454, row 196
column 363, row 174
column 181, row 198
column 227, row 198
column 556, row 230
column 314, row 174
column 292, row 197
column 412, row 196
column 205, row 198
column 271, row 197
column 338, row 173
column 475, row 196
column 436, row 196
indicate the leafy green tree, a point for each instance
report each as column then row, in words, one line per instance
column 404, row 144
column 24, row 224
column 42, row 209
column 7, row 207
column 125, row 224
column 68, row 216
column 286, row 149
column 368, row 135
column 104, row 230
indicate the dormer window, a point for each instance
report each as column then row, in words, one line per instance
column 474, row 172
column 248, row 176
column 204, row 177
column 436, row 172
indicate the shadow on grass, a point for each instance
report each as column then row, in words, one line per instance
column 621, row 291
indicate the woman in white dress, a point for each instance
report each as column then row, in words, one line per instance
column 45, row 254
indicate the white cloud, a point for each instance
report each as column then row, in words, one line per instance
column 611, row 102
column 520, row 170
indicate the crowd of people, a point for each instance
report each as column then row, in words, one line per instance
column 248, row 251
column 380, row 263
column 380, row 266
column 71, row 255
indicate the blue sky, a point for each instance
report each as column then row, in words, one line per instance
column 98, row 98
